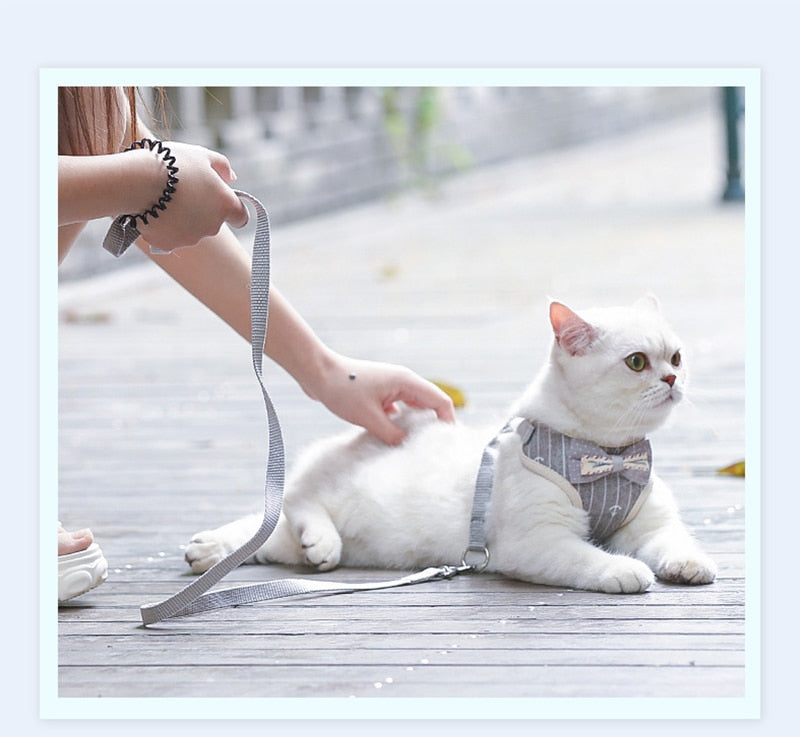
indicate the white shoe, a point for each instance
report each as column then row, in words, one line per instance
column 80, row 572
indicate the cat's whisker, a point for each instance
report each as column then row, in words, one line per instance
column 631, row 421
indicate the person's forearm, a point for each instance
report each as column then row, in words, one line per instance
column 91, row 187
column 217, row 272
column 293, row 345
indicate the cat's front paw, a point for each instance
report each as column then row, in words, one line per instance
column 694, row 570
column 625, row 576
column 205, row 549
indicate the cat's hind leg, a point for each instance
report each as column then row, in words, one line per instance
column 210, row 546
column 313, row 527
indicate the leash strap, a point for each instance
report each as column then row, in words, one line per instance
column 191, row 598
column 195, row 597
column 484, row 485
column 286, row 587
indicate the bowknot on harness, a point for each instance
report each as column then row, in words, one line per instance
column 607, row 482
column 580, row 461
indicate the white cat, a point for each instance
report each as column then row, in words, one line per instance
column 613, row 376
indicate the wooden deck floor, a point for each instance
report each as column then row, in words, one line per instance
column 161, row 434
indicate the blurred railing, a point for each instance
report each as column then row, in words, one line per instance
column 309, row 150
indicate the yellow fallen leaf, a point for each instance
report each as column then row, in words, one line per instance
column 735, row 469
column 455, row 394
column 389, row 271
column 77, row 317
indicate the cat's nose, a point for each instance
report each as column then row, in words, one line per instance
column 669, row 378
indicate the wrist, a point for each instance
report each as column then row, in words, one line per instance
column 125, row 228
column 159, row 179
column 107, row 185
column 317, row 370
column 144, row 173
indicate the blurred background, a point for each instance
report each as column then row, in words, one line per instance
column 306, row 151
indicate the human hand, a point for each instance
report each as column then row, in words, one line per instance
column 366, row 393
column 202, row 202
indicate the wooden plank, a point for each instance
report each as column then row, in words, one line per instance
column 397, row 623
column 424, row 680
column 451, row 605
column 146, row 581
column 352, row 650
column 348, row 648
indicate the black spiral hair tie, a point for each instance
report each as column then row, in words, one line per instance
column 123, row 230
column 169, row 189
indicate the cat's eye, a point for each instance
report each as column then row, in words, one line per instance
column 636, row 361
column 676, row 359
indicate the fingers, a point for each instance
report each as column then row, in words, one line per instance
column 424, row 395
column 222, row 166
column 444, row 408
column 384, row 429
column 416, row 393
column 237, row 214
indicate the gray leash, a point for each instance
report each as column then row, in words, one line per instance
column 192, row 597
column 195, row 597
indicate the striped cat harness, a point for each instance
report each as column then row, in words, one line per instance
column 610, row 484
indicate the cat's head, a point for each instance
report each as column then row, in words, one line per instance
column 618, row 370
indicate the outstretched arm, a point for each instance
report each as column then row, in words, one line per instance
column 217, row 272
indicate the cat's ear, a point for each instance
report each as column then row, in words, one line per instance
column 649, row 302
column 572, row 332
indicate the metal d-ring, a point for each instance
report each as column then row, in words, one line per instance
column 480, row 565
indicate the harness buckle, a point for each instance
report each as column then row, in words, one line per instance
column 481, row 564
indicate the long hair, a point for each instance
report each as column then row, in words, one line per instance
column 98, row 120
column 95, row 120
